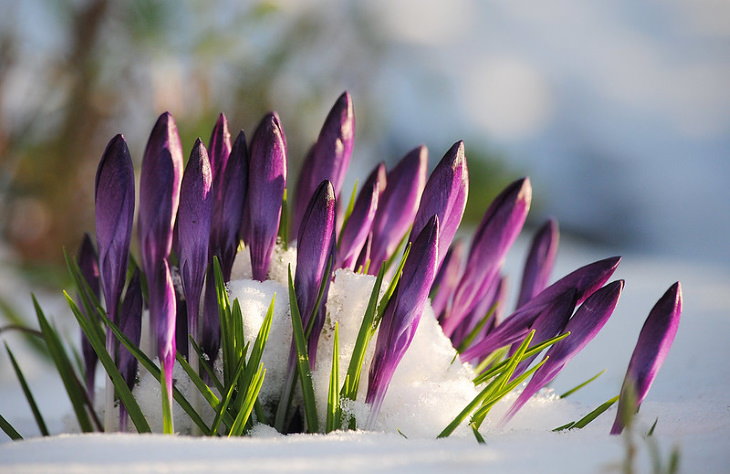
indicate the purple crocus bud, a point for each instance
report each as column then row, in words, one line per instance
column 315, row 247
column 357, row 228
column 495, row 298
column 398, row 205
column 219, row 148
column 445, row 196
column 114, row 198
column 583, row 327
column 229, row 190
column 159, row 193
column 266, row 184
column 162, row 319
column 194, row 216
column 89, row 265
column 403, row 313
column 448, row 277
column 498, row 230
column 655, row 340
column 539, row 261
column 584, row 281
column 131, row 325
column 329, row 157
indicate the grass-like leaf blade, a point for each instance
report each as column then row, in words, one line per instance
column 333, row 395
column 9, row 430
column 581, row 385
column 28, row 394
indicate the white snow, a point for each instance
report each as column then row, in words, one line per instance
column 689, row 397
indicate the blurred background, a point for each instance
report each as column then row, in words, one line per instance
column 619, row 111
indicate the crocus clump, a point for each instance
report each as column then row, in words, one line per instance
column 395, row 245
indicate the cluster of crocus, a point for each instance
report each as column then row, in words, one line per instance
column 233, row 194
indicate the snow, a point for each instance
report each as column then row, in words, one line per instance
column 689, row 397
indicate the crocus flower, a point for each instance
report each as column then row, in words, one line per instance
column 498, row 230
column 219, row 148
column 584, row 281
column 266, row 184
column 329, row 157
column 493, row 299
column 315, row 247
column 159, row 193
column 355, row 231
column 230, row 197
column 194, row 217
column 539, row 261
column 445, row 196
column 131, row 325
column 89, row 265
column 583, row 327
column 162, row 318
column 114, row 198
column 403, row 314
column 398, row 205
column 229, row 191
column 448, row 276
column 651, row 349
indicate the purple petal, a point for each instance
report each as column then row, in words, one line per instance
column 496, row 233
column 163, row 318
column 398, row 205
column 655, row 340
column 329, row 157
column 131, row 326
column 584, row 281
column 583, row 327
column 315, row 246
column 356, row 230
column 266, row 184
column 159, row 193
column 114, row 197
column 194, row 216
column 445, row 196
column 448, row 276
column 219, row 148
column 539, row 261
column 494, row 298
column 89, row 266
column 403, row 313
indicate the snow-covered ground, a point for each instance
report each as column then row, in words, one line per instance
column 689, row 397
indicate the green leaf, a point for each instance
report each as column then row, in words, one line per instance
column 205, row 364
column 305, row 376
column 284, row 221
column 167, row 420
column 19, row 323
column 653, row 427
column 249, row 401
column 583, row 422
column 73, row 387
column 334, row 414
column 529, row 353
column 581, row 385
column 222, row 414
column 155, row 371
column 8, row 429
column 28, row 394
column 348, row 211
column 477, row 434
column 120, row 385
column 389, row 262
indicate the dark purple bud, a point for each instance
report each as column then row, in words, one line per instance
column 364, row 259
column 403, row 313
column 194, row 216
column 584, row 281
column 159, row 193
column 162, row 319
column 655, row 340
column 583, row 327
column 89, row 266
column 445, row 196
column 131, row 325
column 329, row 157
column 549, row 323
column 210, row 334
column 230, row 197
column 448, row 277
column 219, row 147
column 356, row 230
column 266, row 184
column 315, row 246
column 539, row 261
column 398, row 205
column 493, row 301
column 114, row 197
column 495, row 235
